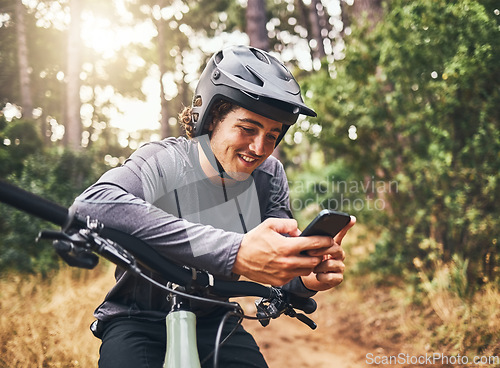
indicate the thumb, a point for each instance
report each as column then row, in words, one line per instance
column 338, row 238
column 282, row 226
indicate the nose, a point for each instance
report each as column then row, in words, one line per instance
column 258, row 145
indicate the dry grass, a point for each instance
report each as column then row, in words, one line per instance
column 385, row 321
column 45, row 323
column 437, row 317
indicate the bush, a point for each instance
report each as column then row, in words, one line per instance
column 421, row 93
column 56, row 176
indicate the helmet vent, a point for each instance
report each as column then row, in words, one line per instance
column 197, row 101
column 251, row 77
column 218, row 57
column 259, row 55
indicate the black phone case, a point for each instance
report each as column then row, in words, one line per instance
column 327, row 223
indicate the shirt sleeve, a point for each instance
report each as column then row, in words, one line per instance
column 279, row 200
column 122, row 199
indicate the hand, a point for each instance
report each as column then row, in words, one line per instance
column 330, row 272
column 268, row 257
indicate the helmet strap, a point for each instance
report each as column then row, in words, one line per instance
column 205, row 145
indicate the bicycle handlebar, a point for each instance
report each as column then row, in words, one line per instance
column 143, row 253
column 32, row 204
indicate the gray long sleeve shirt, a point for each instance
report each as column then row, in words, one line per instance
column 162, row 196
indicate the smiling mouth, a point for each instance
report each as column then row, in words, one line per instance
column 247, row 158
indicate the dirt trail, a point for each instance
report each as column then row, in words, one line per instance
column 288, row 343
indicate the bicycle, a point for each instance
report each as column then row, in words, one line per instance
column 81, row 241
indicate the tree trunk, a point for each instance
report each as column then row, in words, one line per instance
column 22, row 55
column 256, row 21
column 311, row 19
column 73, row 133
column 165, row 130
column 315, row 22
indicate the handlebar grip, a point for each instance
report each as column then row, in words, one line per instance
column 32, row 204
column 307, row 305
column 240, row 288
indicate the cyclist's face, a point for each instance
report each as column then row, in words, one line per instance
column 242, row 141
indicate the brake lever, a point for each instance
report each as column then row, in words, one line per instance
column 115, row 253
column 267, row 309
column 75, row 256
column 302, row 318
column 76, row 249
column 52, row 235
column 70, row 248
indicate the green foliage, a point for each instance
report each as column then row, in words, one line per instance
column 421, row 92
column 18, row 140
column 56, row 176
column 332, row 186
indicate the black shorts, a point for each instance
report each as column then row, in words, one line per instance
column 129, row 342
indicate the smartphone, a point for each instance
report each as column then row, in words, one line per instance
column 328, row 223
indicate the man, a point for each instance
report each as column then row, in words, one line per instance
column 218, row 202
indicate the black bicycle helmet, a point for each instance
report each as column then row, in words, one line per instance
column 250, row 78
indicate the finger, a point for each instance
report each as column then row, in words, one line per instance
column 286, row 275
column 339, row 254
column 309, row 243
column 330, row 265
column 294, row 233
column 330, row 278
column 282, row 226
column 338, row 238
column 303, row 262
column 334, row 251
column 304, row 271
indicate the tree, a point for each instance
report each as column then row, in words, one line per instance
column 53, row 176
column 312, row 16
column 256, row 21
column 28, row 72
column 162, row 48
column 73, row 133
column 22, row 55
column 414, row 103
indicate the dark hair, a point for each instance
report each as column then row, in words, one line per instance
column 217, row 113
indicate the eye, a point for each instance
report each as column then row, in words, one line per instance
column 248, row 130
column 272, row 137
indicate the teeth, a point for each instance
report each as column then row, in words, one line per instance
column 247, row 159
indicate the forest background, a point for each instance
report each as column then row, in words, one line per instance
column 407, row 136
